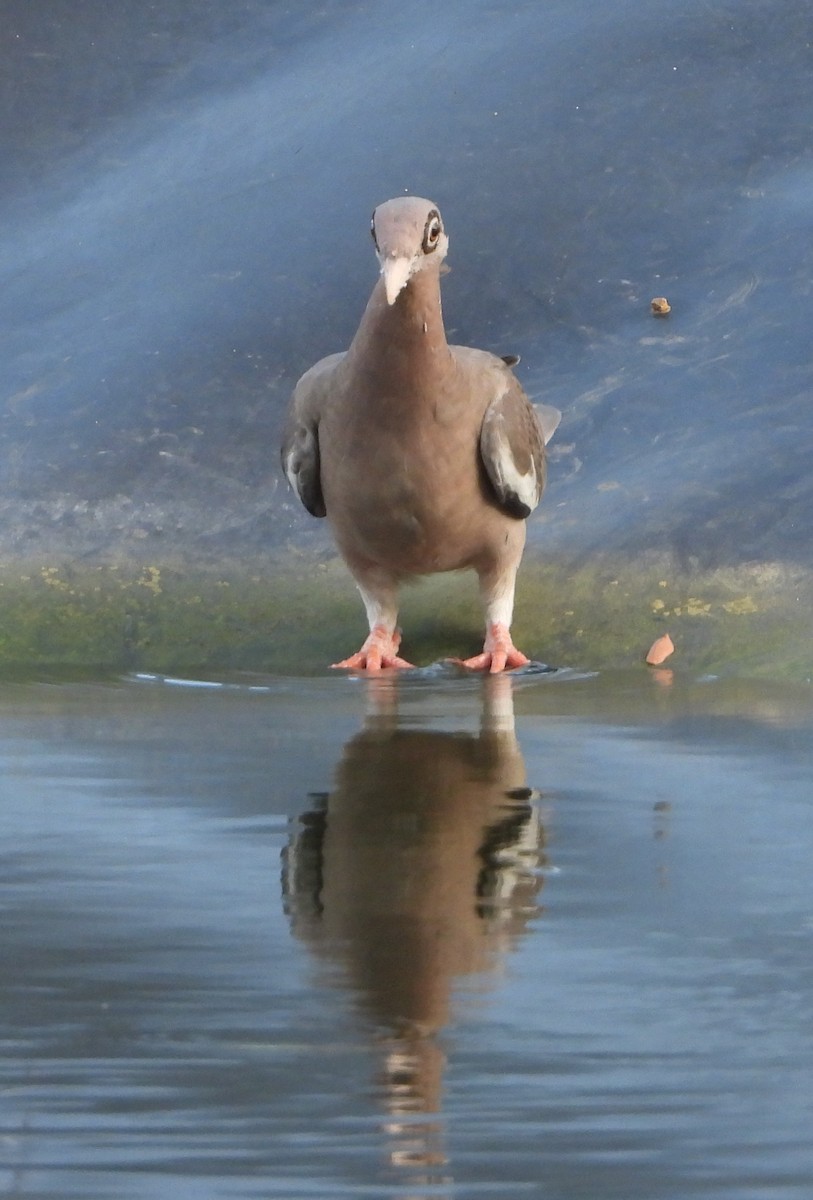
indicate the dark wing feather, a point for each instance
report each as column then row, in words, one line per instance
column 512, row 448
column 300, row 462
column 300, row 445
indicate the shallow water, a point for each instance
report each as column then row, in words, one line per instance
column 548, row 936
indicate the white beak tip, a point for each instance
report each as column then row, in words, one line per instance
column 396, row 273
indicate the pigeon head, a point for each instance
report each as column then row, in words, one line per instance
column 409, row 236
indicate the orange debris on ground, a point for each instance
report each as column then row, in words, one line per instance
column 660, row 650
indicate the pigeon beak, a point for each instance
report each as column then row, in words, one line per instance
column 396, row 272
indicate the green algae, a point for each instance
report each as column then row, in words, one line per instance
column 297, row 619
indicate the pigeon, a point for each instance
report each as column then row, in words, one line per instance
column 424, row 457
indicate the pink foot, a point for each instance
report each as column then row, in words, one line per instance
column 499, row 653
column 380, row 650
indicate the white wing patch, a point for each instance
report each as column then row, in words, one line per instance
column 523, row 486
column 291, row 473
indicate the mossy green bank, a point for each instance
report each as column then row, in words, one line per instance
column 284, row 619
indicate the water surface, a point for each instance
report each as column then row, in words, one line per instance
column 547, row 936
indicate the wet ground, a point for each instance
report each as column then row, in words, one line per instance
column 549, row 936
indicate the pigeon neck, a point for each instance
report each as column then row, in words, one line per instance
column 408, row 331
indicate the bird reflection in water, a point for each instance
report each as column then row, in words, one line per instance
column 419, row 868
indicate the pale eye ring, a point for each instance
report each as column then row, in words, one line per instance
column 432, row 232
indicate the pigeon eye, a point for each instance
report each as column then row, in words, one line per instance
column 372, row 230
column 431, row 235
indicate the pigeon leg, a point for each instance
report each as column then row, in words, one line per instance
column 499, row 652
column 381, row 647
